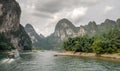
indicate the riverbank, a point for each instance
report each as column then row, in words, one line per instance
column 114, row 57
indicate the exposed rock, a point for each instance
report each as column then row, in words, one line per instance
column 38, row 41
column 10, row 25
column 82, row 31
column 64, row 29
column 31, row 32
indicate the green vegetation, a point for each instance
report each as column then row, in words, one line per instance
column 4, row 43
column 105, row 43
column 78, row 44
column 25, row 40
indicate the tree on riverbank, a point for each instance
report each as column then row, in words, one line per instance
column 105, row 43
column 78, row 44
column 4, row 43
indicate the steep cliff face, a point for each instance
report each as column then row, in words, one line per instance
column 10, row 25
column 31, row 32
column 9, row 15
column 38, row 41
column 64, row 29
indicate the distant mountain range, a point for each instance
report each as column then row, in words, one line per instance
column 64, row 29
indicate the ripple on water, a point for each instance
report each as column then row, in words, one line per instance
column 46, row 61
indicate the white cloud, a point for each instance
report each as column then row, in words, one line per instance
column 108, row 8
column 44, row 14
column 78, row 12
column 71, row 14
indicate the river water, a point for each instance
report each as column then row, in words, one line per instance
column 46, row 61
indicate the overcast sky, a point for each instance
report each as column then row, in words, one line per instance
column 44, row 14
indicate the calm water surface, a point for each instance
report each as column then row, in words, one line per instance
column 46, row 61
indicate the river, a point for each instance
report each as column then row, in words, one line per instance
column 46, row 61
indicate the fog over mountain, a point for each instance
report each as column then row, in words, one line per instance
column 44, row 14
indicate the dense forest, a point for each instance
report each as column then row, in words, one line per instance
column 105, row 43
